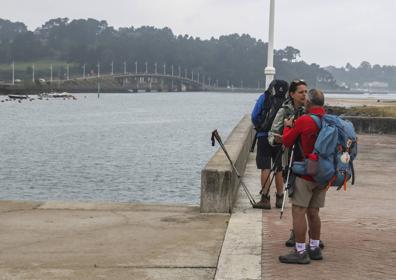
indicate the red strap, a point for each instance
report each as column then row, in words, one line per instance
column 345, row 182
column 330, row 183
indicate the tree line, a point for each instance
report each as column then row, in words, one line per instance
column 365, row 76
column 231, row 59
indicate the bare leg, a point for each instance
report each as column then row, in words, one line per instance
column 279, row 182
column 264, row 175
column 299, row 223
column 314, row 223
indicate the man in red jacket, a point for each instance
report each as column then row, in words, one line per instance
column 308, row 196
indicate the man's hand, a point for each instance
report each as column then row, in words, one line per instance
column 288, row 123
column 277, row 138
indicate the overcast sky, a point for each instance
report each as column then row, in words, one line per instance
column 327, row 32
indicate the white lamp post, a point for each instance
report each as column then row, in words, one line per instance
column 13, row 73
column 270, row 70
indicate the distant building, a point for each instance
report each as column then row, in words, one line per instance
column 376, row 85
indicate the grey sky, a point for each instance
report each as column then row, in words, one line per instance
column 325, row 31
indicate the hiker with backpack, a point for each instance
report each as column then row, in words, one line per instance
column 263, row 115
column 292, row 107
column 329, row 146
column 308, row 196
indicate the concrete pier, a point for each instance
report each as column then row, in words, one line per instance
column 57, row 240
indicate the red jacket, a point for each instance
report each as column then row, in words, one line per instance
column 306, row 128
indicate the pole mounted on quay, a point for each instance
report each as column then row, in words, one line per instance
column 146, row 68
column 98, row 80
column 124, row 67
column 164, row 68
column 155, row 68
column 270, row 70
column 83, row 71
column 13, row 73
column 67, row 72
column 136, row 66
column 51, row 69
column 112, row 68
column 33, row 73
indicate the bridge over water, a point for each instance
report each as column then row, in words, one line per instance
column 127, row 82
column 158, row 82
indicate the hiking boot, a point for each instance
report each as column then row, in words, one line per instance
column 264, row 203
column 315, row 254
column 291, row 242
column 279, row 200
column 296, row 258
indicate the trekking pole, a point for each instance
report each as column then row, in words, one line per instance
column 285, row 186
column 280, row 152
column 215, row 135
column 253, row 143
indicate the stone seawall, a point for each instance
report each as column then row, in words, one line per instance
column 373, row 125
column 219, row 182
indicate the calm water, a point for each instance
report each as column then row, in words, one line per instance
column 121, row 147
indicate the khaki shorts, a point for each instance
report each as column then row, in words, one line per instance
column 308, row 194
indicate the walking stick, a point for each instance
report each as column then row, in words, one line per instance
column 215, row 135
column 253, row 143
column 285, row 186
column 280, row 152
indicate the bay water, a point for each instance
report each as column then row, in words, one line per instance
column 145, row 147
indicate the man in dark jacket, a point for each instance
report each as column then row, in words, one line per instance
column 308, row 196
column 263, row 115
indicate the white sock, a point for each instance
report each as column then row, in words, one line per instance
column 300, row 247
column 313, row 244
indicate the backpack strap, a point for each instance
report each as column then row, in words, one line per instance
column 353, row 172
column 317, row 120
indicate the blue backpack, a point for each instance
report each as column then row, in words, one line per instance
column 336, row 148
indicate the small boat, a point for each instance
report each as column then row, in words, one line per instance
column 14, row 96
column 61, row 95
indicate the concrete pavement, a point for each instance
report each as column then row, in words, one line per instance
column 56, row 240
column 358, row 226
